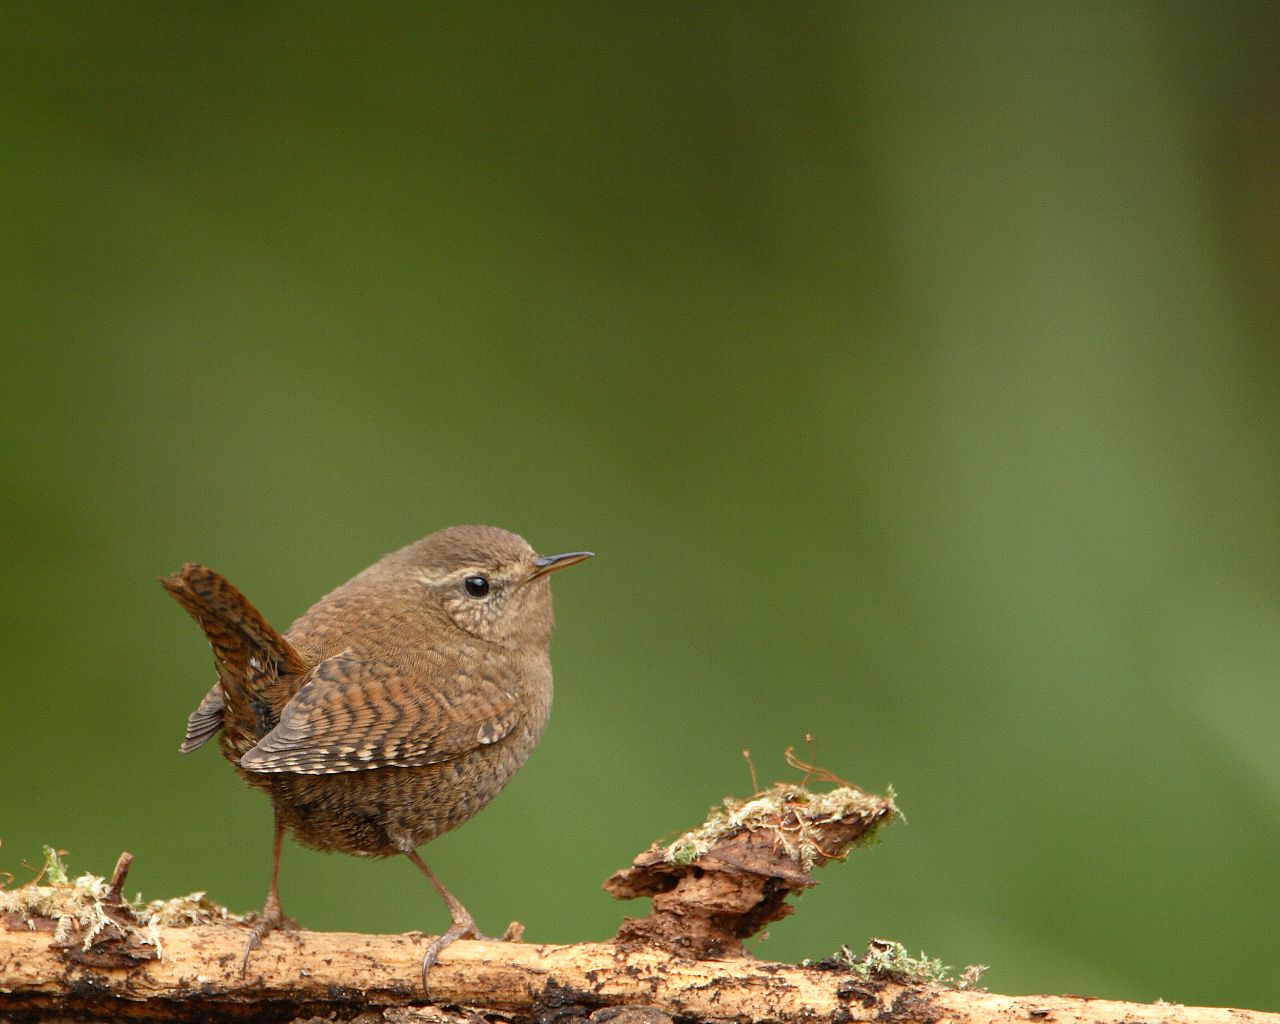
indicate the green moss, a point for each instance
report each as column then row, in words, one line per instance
column 683, row 853
column 54, row 871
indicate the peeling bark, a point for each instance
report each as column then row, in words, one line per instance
column 733, row 884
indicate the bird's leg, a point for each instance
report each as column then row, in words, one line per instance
column 463, row 926
column 272, row 916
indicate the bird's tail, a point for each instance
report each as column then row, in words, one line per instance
column 258, row 669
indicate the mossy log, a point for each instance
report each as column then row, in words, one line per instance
column 78, row 950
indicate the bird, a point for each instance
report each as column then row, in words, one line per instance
column 391, row 711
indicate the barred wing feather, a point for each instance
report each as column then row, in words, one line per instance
column 356, row 713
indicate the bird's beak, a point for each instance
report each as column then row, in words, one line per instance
column 554, row 563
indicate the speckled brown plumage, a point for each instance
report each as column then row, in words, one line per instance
column 395, row 708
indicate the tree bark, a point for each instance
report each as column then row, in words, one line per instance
column 300, row 975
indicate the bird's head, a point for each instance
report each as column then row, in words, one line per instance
column 489, row 582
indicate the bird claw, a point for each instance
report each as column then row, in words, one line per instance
column 267, row 923
column 462, row 928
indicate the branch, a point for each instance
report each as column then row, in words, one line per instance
column 78, row 949
column 302, row 974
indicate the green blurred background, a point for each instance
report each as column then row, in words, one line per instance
column 911, row 368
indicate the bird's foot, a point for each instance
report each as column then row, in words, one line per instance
column 270, row 920
column 463, row 927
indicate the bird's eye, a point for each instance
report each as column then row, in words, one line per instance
column 476, row 586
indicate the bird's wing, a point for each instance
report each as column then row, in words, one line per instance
column 356, row 713
column 205, row 720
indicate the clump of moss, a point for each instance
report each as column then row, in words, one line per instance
column 797, row 817
column 682, row 853
column 183, row 911
column 84, row 911
column 76, row 906
column 886, row 960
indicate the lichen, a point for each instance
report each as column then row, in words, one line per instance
column 796, row 816
column 886, row 960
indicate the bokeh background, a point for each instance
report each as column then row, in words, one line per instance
column 911, row 368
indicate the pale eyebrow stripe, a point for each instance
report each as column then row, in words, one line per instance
column 434, row 579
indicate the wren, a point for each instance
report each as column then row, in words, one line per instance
column 394, row 709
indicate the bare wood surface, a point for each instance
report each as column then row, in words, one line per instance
column 306, row 974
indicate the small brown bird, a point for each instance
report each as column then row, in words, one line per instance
column 395, row 708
